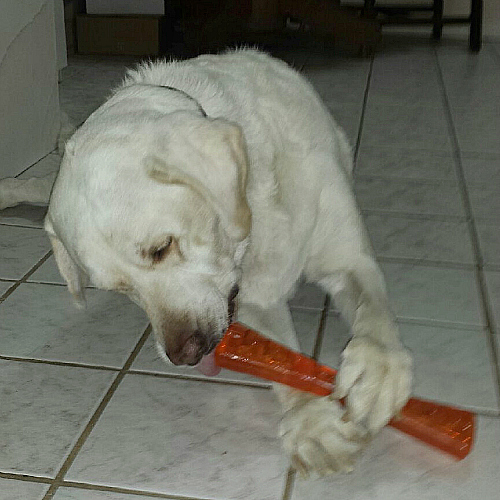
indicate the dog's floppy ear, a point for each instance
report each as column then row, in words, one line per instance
column 75, row 278
column 213, row 162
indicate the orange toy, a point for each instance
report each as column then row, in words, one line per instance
column 245, row 350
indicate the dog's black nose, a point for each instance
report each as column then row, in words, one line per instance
column 190, row 351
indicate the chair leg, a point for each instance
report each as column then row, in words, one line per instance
column 437, row 20
column 476, row 21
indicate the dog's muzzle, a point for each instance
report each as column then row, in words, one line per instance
column 195, row 346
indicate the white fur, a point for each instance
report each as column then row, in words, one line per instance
column 266, row 179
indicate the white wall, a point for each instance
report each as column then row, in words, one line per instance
column 29, row 100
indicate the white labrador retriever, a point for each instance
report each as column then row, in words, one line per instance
column 200, row 177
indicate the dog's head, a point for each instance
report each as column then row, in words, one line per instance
column 153, row 205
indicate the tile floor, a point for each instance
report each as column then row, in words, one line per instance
column 87, row 411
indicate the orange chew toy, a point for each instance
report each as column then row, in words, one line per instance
column 244, row 350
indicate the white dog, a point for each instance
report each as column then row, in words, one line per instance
column 200, row 177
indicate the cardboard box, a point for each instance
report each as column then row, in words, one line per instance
column 137, row 35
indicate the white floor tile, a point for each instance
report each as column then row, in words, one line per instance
column 21, row 490
column 489, row 242
column 4, row 286
column 409, row 196
column 432, row 293
column 396, row 466
column 403, row 163
column 405, row 126
column 80, row 99
column 451, row 366
column 481, row 169
column 348, row 116
column 477, row 127
column 420, row 239
column 308, row 296
column 408, row 88
column 405, row 63
column 493, row 286
column 472, row 91
column 45, row 166
column 43, row 411
column 186, row 438
column 40, row 321
column 21, row 248
column 471, row 80
column 48, row 273
column 86, row 494
column 485, row 201
column 344, row 83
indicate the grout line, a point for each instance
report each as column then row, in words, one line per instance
column 54, row 151
column 363, row 111
column 306, row 309
column 437, row 323
column 484, row 412
column 127, row 491
column 8, row 291
column 22, row 280
column 409, row 180
column 473, row 232
column 441, row 264
column 242, row 383
column 414, row 215
column 53, row 362
column 95, row 416
column 392, row 146
column 205, row 380
column 26, row 478
column 51, row 283
column 6, row 224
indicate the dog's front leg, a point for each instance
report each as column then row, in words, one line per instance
column 315, row 433
column 375, row 372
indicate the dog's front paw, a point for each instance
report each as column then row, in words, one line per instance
column 318, row 439
column 376, row 381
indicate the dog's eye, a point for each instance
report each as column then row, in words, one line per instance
column 157, row 254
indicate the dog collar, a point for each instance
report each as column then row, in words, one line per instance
column 174, row 89
column 185, row 94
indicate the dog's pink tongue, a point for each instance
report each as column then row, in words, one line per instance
column 207, row 365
